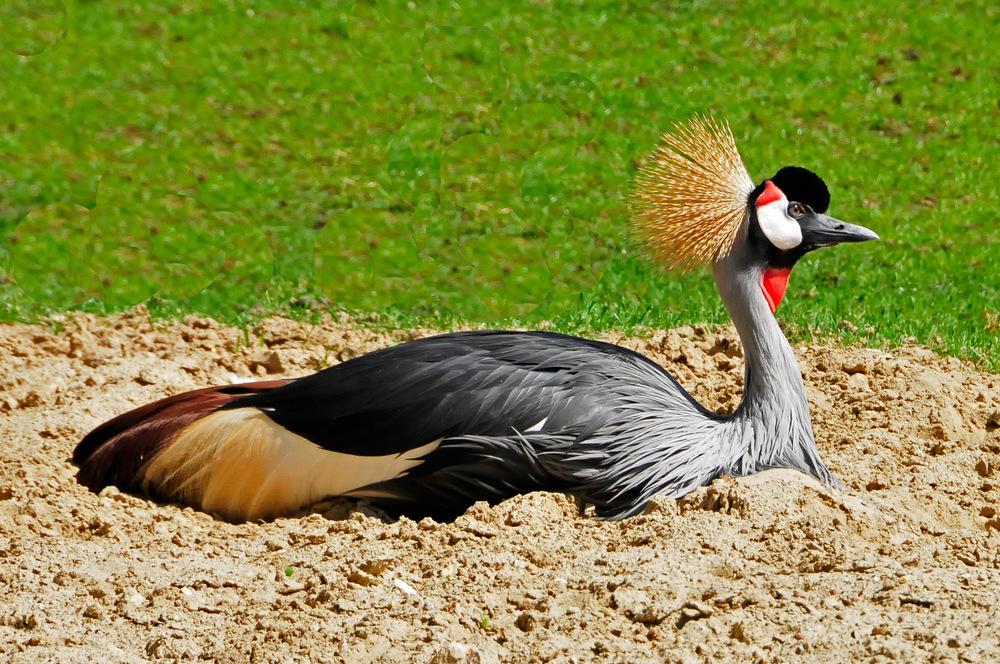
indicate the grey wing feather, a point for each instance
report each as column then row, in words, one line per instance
column 479, row 393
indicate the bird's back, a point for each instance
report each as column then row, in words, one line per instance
column 485, row 383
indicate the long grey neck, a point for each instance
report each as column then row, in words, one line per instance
column 772, row 427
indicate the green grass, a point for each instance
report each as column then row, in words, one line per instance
column 332, row 153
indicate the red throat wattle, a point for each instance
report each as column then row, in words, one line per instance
column 774, row 283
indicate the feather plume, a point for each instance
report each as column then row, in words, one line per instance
column 691, row 198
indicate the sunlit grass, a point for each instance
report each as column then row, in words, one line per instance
column 288, row 115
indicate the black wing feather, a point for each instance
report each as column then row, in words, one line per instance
column 480, row 383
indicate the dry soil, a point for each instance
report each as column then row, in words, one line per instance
column 903, row 565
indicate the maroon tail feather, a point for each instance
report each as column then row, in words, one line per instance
column 114, row 452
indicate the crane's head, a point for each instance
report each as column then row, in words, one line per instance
column 695, row 203
column 786, row 220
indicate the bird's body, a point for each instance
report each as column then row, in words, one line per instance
column 430, row 426
column 492, row 413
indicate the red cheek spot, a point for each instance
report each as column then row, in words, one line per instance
column 774, row 283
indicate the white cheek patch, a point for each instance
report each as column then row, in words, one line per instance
column 772, row 217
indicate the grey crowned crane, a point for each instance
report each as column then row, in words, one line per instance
column 430, row 426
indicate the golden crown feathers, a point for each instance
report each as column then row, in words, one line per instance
column 691, row 197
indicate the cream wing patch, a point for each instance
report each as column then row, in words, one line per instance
column 537, row 427
column 242, row 465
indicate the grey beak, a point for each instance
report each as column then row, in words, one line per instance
column 819, row 230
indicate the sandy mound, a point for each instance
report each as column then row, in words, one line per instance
column 902, row 564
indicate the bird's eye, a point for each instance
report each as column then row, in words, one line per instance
column 796, row 210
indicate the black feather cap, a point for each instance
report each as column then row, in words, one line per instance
column 799, row 184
